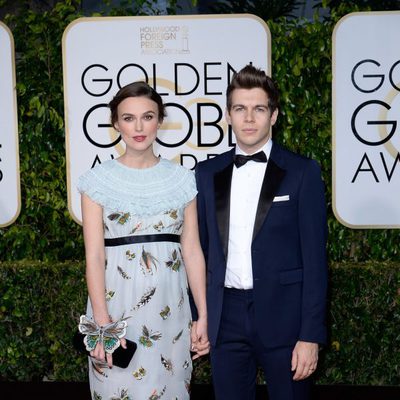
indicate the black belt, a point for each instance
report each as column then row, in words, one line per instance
column 243, row 293
column 134, row 239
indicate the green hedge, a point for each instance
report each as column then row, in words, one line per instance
column 40, row 301
column 301, row 64
column 40, row 305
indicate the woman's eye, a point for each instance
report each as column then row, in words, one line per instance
column 148, row 117
column 127, row 119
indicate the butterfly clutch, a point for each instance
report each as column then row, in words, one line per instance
column 89, row 334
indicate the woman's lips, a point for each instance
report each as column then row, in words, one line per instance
column 139, row 138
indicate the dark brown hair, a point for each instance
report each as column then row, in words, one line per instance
column 136, row 89
column 251, row 77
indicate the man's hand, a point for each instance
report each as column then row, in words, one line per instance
column 200, row 344
column 304, row 359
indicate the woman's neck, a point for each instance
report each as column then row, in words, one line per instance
column 139, row 161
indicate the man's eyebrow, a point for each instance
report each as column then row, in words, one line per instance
column 256, row 105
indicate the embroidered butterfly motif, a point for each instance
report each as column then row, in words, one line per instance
column 120, row 217
column 172, row 213
column 129, row 255
column 158, row 227
column 148, row 337
column 155, row 395
column 165, row 313
column 96, row 396
column 174, row 262
column 139, row 374
column 109, row 334
column 122, row 395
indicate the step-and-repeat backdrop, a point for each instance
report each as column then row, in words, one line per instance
column 10, row 198
column 366, row 116
column 189, row 60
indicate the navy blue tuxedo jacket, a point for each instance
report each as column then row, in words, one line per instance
column 288, row 248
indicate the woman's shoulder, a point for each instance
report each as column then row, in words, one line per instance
column 176, row 169
column 96, row 173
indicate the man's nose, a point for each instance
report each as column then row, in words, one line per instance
column 249, row 116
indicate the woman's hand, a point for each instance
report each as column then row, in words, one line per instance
column 199, row 337
column 100, row 355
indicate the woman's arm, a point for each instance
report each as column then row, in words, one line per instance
column 93, row 233
column 92, row 218
column 195, row 269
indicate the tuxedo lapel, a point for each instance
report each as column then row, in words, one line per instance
column 272, row 179
column 222, row 190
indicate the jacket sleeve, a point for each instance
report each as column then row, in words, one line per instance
column 313, row 237
column 202, row 222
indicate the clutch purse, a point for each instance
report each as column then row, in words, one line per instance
column 89, row 334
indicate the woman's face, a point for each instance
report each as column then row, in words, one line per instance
column 138, row 123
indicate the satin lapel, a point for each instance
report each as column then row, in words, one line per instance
column 222, row 190
column 272, row 179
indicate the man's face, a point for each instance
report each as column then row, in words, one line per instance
column 251, row 118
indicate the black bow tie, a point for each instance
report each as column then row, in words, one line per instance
column 240, row 159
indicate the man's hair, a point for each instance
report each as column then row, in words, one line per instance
column 251, row 77
column 136, row 89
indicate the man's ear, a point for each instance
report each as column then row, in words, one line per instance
column 274, row 116
column 228, row 116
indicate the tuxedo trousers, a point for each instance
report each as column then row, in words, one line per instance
column 238, row 353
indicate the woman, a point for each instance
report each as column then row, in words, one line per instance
column 142, row 279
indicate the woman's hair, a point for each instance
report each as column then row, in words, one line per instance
column 251, row 77
column 136, row 89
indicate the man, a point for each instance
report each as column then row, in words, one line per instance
column 262, row 224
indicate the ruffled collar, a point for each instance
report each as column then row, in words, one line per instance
column 146, row 191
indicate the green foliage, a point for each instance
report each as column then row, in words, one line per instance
column 376, row 5
column 44, row 230
column 40, row 305
column 364, row 322
column 265, row 9
column 40, row 302
column 301, row 65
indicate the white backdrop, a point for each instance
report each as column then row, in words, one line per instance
column 366, row 117
column 10, row 199
column 189, row 60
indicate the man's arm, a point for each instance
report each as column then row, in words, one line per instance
column 313, row 236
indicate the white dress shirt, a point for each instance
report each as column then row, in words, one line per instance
column 245, row 193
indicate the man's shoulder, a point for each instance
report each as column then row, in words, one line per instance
column 216, row 163
column 294, row 159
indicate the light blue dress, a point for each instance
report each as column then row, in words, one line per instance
column 145, row 281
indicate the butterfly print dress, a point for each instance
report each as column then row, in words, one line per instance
column 145, row 278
